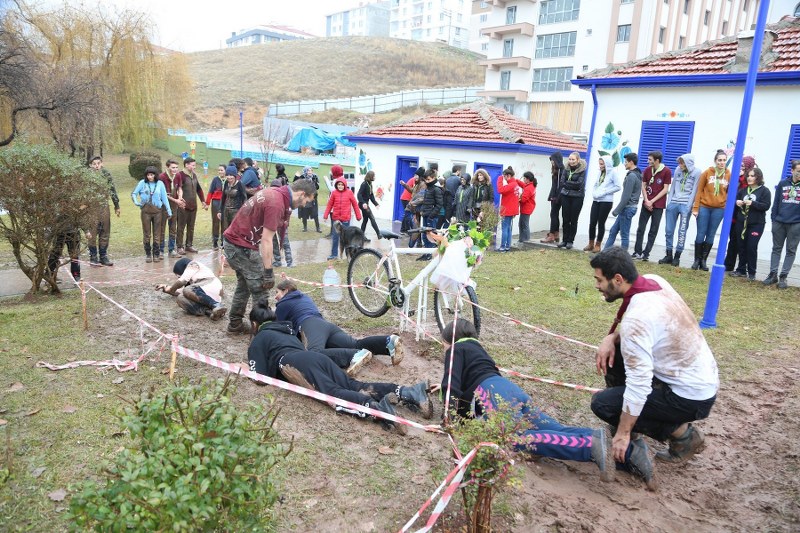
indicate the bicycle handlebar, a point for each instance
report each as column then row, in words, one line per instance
column 423, row 229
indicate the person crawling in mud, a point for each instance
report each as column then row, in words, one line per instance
column 198, row 290
column 298, row 308
column 476, row 388
column 276, row 352
column 660, row 373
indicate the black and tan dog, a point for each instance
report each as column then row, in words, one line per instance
column 351, row 239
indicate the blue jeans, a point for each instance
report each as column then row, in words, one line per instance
column 708, row 220
column 673, row 211
column 505, row 235
column 335, row 240
column 622, row 226
column 429, row 222
column 546, row 436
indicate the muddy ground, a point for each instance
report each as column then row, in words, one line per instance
column 337, row 480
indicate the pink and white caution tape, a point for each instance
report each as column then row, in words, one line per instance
column 330, row 400
column 317, row 284
column 116, row 364
column 550, row 381
column 126, row 311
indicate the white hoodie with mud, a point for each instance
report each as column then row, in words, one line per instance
column 684, row 184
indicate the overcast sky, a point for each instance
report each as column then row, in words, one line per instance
column 192, row 25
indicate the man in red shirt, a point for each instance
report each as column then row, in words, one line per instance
column 248, row 243
column 655, row 186
column 168, row 179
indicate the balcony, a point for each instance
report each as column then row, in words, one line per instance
column 502, row 3
column 498, row 32
column 513, row 62
column 519, row 96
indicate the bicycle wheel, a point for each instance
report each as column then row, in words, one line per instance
column 444, row 306
column 366, row 269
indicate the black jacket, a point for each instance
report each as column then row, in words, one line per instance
column 483, row 193
column 757, row 212
column 365, row 194
column 557, row 177
column 434, row 201
column 574, row 183
column 471, row 365
column 273, row 340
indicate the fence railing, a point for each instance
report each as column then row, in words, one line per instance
column 380, row 102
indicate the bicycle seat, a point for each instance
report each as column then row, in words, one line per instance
column 386, row 234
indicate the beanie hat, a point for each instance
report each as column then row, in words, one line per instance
column 230, row 170
column 180, row 266
column 337, row 171
column 749, row 163
column 420, row 172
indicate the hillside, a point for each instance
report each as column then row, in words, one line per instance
column 318, row 68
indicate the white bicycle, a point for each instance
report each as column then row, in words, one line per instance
column 375, row 282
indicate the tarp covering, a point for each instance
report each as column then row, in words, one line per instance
column 316, row 139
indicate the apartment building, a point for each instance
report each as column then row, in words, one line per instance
column 366, row 20
column 265, row 34
column 446, row 21
column 536, row 47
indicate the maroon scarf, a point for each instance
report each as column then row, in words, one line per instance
column 641, row 284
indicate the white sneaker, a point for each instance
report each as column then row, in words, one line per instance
column 361, row 358
column 395, row 346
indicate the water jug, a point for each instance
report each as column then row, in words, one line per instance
column 331, row 277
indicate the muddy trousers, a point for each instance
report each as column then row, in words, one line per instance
column 663, row 412
column 546, row 436
column 151, row 229
column 215, row 222
column 72, row 239
column 186, row 221
column 194, row 300
column 101, row 228
column 249, row 279
column 340, row 346
column 171, row 222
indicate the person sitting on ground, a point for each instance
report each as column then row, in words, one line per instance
column 276, row 352
column 298, row 308
column 477, row 387
column 198, row 290
column 660, row 373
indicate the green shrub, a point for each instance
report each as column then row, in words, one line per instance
column 197, row 463
column 140, row 161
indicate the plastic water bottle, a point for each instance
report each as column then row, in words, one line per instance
column 331, row 277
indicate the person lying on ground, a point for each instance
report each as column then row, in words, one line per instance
column 198, row 290
column 476, row 387
column 276, row 352
column 298, row 308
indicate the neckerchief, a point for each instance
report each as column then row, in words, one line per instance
column 150, row 189
column 602, row 178
column 654, row 172
column 793, row 186
column 718, row 176
column 641, row 284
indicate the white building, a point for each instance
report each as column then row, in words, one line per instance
column 265, row 34
column 536, row 47
column 366, row 20
column 446, row 21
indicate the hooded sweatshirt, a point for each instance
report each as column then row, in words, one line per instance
column 786, row 207
column 557, row 177
column 684, row 184
column 273, row 341
column 608, row 183
column 296, row 307
column 712, row 192
column 631, row 189
column 341, row 202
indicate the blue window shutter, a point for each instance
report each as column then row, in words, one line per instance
column 792, row 151
column 652, row 138
column 673, row 139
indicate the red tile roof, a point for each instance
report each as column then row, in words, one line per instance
column 715, row 57
column 478, row 122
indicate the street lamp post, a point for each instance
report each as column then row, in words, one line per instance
column 241, row 130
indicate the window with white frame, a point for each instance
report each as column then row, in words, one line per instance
column 508, row 48
column 505, row 80
column 484, row 47
column 661, row 33
column 552, row 79
column 484, row 17
column 556, row 45
column 623, row 33
column 552, row 11
column 511, row 15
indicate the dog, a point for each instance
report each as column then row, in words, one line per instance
column 351, row 239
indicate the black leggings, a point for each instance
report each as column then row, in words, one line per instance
column 323, row 336
column 555, row 222
column 366, row 218
column 571, row 211
column 597, row 220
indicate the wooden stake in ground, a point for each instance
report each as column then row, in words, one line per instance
column 83, row 303
column 173, row 361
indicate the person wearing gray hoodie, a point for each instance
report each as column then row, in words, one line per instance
column 679, row 204
column 607, row 183
column 628, row 203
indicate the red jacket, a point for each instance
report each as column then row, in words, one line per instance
column 509, row 201
column 341, row 202
column 527, row 202
column 406, row 195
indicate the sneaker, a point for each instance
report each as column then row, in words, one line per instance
column 332, row 258
column 683, row 448
column 737, row 274
column 562, row 244
column 94, row 261
column 240, row 326
column 645, row 258
column 218, row 312
column 599, row 448
column 426, row 257
column 771, row 279
column 395, row 347
column 568, row 246
column 638, row 463
column 415, row 398
column 156, row 258
column 782, row 283
column 361, row 358
column 386, row 407
column 191, row 249
column 636, row 255
column 751, row 277
column 148, row 259
column 171, row 254
column 291, row 265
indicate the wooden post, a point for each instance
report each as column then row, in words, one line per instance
column 173, row 360
column 83, row 303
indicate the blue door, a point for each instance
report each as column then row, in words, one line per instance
column 494, row 170
column 406, row 166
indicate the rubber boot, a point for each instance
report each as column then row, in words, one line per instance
column 704, row 257
column 684, row 447
column 104, row 257
column 698, row 253
column 387, row 408
column 93, row 259
column 667, row 259
column 589, row 247
column 676, row 259
column 75, row 269
column 416, row 398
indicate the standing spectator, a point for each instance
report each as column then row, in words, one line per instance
column 573, row 191
column 748, row 163
column 280, row 174
column 465, row 196
column 408, row 192
column 414, row 211
column 250, row 180
column 168, row 179
column 557, row 176
column 527, row 203
column 431, row 206
column 69, row 235
column 214, row 198
column 785, row 226
column 248, row 243
column 283, row 244
column 709, row 207
column 151, row 197
column 451, row 185
column 603, row 200
column 752, row 204
column 510, row 190
column 482, row 185
column 339, row 206
column 679, row 204
column 628, row 202
column 311, row 210
column 233, row 196
column 655, row 186
column 189, row 190
column 365, row 196
column 100, row 229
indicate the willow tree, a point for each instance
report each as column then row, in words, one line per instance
column 113, row 87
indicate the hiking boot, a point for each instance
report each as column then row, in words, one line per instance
column 589, row 247
column 771, row 279
column 751, row 277
column 683, row 448
column 105, row 261
column 596, row 248
column 550, row 238
column 148, row 258
column 676, row 259
column 599, row 448
column 218, row 312
column 191, row 249
column 667, row 259
column 239, row 326
column 638, row 463
column 386, row 407
column 415, row 398
column 93, row 258
column 156, row 258
column 704, row 255
column 361, row 358
column 562, row 244
column 782, row 282
column 181, row 251
column 395, row 347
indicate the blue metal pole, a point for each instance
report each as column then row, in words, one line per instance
column 241, row 132
column 709, row 319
